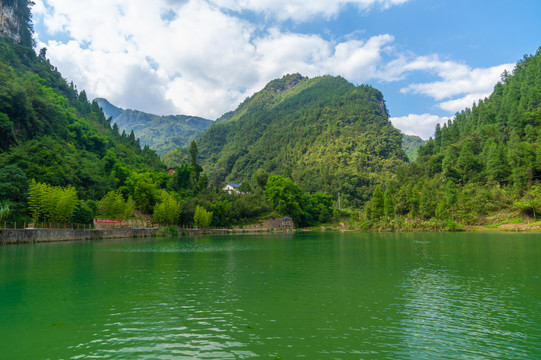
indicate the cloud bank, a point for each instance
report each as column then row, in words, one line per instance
column 203, row 57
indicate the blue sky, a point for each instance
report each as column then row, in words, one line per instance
column 203, row 57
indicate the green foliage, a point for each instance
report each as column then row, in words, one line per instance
column 531, row 202
column 53, row 134
column 245, row 187
column 167, row 210
column 377, row 204
column 114, row 206
column 51, row 203
column 318, row 208
column 5, row 209
column 144, row 191
column 202, row 217
column 288, row 200
column 325, row 133
column 183, row 177
column 484, row 161
column 388, row 201
column 13, row 184
column 220, row 213
column 285, row 197
column 260, row 178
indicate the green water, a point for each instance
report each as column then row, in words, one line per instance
column 311, row 296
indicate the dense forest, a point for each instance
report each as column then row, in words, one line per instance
column 483, row 166
column 324, row 133
column 162, row 134
column 318, row 150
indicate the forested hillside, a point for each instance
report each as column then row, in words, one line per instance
column 51, row 133
column 161, row 133
column 482, row 166
column 325, row 133
column 62, row 161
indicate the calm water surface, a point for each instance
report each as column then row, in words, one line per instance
column 312, row 296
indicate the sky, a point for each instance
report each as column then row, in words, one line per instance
column 430, row 58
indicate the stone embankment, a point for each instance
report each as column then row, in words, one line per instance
column 26, row 236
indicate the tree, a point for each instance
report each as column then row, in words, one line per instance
column 5, row 209
column 202, row 217
column 467, row 162
column 193, row 159
column 378, row 204
column 451, row 193
column 319, row 208
column 167, row 210
column 51, row 203
column 6, row 131
column 531, row 201
column 113, row 206
column 260, row 177
column 388, row 201
column 285, row 197
column 13, row 184
column 144, row 191
column 448, row 169
column 193, row 154
column 220, row 213
column 496, row 168
column 245, row 187
column 183, row 177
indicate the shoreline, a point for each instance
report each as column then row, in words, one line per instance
column 32, row 236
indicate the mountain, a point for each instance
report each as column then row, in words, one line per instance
column 484, row 165
column 15, row 21
column 161, row 133
column 325, row 133
column 411, row 144
column 52, row 134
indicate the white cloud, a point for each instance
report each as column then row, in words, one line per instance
column 197, row 60
column 456, row 80
column 422, row 125
column 200, row 57
column 302, row 10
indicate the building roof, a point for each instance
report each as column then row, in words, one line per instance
column 233, row 184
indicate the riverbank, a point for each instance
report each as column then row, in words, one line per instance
column 430, row 226
column 29, row 236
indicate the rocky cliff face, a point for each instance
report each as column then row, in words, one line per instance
column 9, row 22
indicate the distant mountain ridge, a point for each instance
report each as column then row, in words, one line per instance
column 411, row 144
column 161, row 133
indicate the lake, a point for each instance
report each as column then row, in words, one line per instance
column 306, row 295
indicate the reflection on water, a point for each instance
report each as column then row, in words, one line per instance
column 314, row 296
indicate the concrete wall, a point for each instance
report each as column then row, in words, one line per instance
column 22, row 236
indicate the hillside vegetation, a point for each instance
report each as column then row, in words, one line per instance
column 482, row 166
column 324, row 133
column 51, row 133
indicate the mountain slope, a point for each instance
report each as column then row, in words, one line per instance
column 325, row 133
column 161, row 133
column 51, row 133
column 411, row 145
column 484, row 164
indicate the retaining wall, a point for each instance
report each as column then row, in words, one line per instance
column 24, row 236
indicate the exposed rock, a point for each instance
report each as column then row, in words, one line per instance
column 9, row 22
